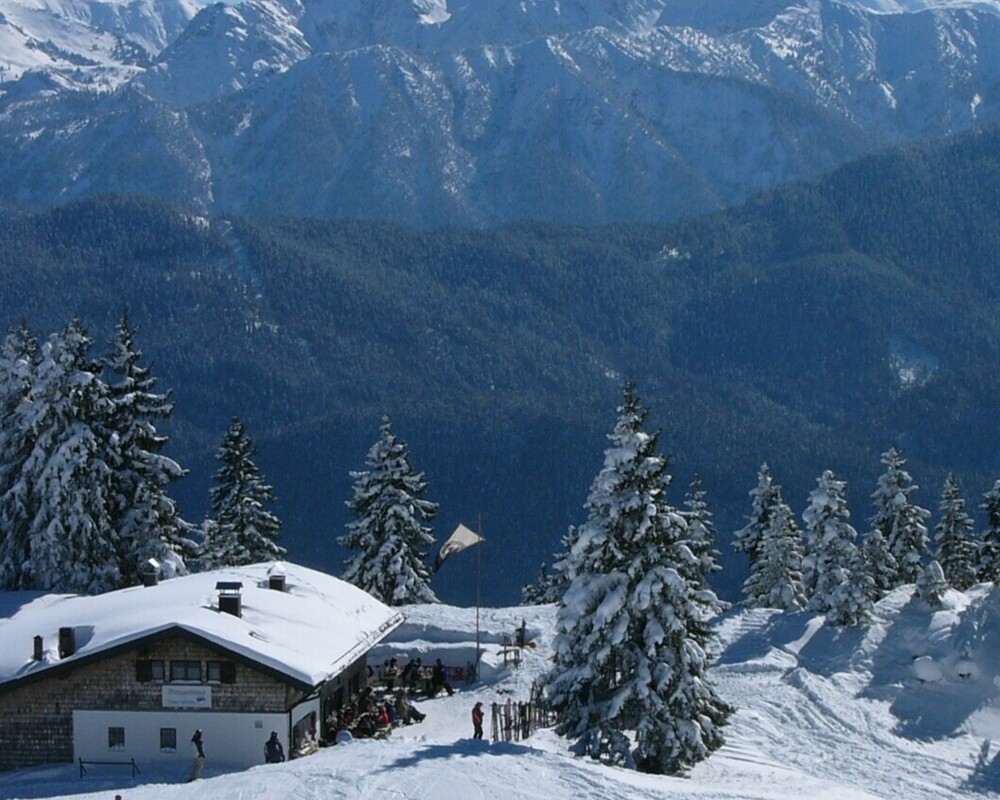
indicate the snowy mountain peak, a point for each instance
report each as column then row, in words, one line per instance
column 439, row 112
column 432, row 12
column 95, row 43
column 335, row 25
column 225, row 48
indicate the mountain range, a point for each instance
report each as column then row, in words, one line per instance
column 319, row 211
column 431, row 113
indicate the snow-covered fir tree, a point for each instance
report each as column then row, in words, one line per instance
column 388, row 533
column 901, row 522
column 989, row 547
column 62, row 489
column 629, row 680
column 553, row 581
column 832, row 541
column 18, row 363
column 852, row 601
column 776, row 578
column 701, row 540
column 957, row 550
column 677, row 713
column 931, row 584
column 542, row 591
column 242, row 530
column 764, row 495
column 879, row 563
column 145, row 518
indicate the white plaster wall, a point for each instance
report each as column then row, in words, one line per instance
column 232, row 739
column 304, row 708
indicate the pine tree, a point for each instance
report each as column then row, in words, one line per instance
column 242, row 529
column 765, row 495
column 630, row 646
column 18, row 365
column 989, row 547
column 832, row 538
column 145, row 519
column 878, row 563
column 931, row 584
column 540, row 592
column 677, row 714
column 957, row 552
column 563, row 570
column 901, row 522
column 776, row 580
column 851, row 602
column 63, row 485
column 388, row 533
column 701, row 539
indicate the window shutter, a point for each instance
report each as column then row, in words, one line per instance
column 227, row 672
column 143, row 671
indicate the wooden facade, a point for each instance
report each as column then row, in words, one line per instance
column 36, row 712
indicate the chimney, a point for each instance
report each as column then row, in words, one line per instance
column 276, row 577
column 149, row 571
column 230, row 597
column 38, row 654
column 67, row 642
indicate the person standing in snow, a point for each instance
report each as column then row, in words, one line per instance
column 477, row 721
column 404, row 674
column 199, row 759
column 197, row 742
column 439, row 681
column 274, row 753
column 391, row 673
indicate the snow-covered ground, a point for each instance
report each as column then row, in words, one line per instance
column 899, row 709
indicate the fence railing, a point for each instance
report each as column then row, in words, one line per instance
column 130, row 763
column 512, row 722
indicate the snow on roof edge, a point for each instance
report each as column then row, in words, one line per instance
column 285, row 632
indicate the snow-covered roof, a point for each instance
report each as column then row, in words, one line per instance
column 309, row 632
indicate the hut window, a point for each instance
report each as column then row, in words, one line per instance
column 168, row 738
column 185, row 671
column 221, row 671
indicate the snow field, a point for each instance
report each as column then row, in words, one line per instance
column 822, row 712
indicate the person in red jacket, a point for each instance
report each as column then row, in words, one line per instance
column 477, row 721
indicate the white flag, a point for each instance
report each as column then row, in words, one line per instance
column 457, row 542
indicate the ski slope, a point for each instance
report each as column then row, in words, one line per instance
column 823, row 713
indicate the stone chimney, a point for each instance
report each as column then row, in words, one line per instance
column 39, row 653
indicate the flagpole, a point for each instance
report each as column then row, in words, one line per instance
column 479, row 576
column 461, row 539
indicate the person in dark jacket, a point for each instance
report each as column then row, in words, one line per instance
column 196, row 741
column 274, row 752
column 439, row 681
column 477, row 721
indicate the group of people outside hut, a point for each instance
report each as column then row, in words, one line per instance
column 372, row 715
column 414, row 677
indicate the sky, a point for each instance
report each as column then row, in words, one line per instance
column 823, row 713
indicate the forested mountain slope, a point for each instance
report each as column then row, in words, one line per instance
column 812, row 327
